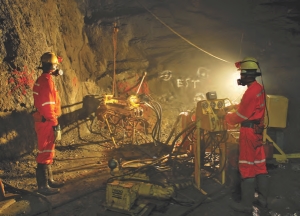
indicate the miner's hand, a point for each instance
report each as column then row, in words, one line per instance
column 228, row 108
column 57, row 132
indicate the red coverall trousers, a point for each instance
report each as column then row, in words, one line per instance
column 252, row 155
column 46, row 146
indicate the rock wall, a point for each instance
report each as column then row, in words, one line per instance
column 28, row 29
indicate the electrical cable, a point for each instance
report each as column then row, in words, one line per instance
column 155, row 161
column 214, row 143
column 73, row 199
column 191, row 125
column 183, row 38
column 176, row 153
column 157, row 131
column 173, row 155
column 265, row 99
column 157, row 127
column 190, row 131
column 173, row 129
column 182, row 202
column 19, row 190
column 202, row 201
column 141, row 161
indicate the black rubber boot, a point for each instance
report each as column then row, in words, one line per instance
column 262, row 189
column 42, row 181
column 247, row 197
column 51, row 182
column 235, row 184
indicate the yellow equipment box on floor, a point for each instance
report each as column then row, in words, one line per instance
column 120, row 195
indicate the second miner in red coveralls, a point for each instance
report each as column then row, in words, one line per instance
column 252, row 159
column 47, row 103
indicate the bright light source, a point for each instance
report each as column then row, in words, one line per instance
column 236, row 90
column 227, row 87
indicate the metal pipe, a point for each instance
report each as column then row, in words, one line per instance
column 145, row 73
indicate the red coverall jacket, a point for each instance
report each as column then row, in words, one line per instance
column 252, row 159
column 47, row 103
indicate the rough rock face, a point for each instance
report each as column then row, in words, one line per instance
column 153, row 36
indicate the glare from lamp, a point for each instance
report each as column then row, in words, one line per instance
column 227, row 87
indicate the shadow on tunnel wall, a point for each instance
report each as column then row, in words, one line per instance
column 89, row 105
column 17, row 133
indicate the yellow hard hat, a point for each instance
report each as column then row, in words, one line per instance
column 248, row 63
column 49, row 58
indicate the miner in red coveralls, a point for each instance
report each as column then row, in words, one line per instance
column 47, row 104
column 252, row 159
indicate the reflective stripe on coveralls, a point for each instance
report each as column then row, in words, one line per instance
column 46, row 146
column 247, row 162
column 252, row 159
column 47, row 102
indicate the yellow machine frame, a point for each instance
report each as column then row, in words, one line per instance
column 208, row 120
column 281, row 157
column 276, row 115
column 197, row 151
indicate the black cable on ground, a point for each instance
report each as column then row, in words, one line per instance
column 193, row 207
column 182, row 202
column 73, row 199
column 202, row 201
column 19, row 190
column 215, row 198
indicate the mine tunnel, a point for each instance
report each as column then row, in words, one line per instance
column 161, row 107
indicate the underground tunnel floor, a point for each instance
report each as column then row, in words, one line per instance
column 83, row 165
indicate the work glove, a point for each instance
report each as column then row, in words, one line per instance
column 57, row 132
column 231, row 107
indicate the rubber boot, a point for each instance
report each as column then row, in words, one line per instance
column 42, row 181
column 235, row 184
column 51, row 182
column 262, row 189
column 247, row 197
